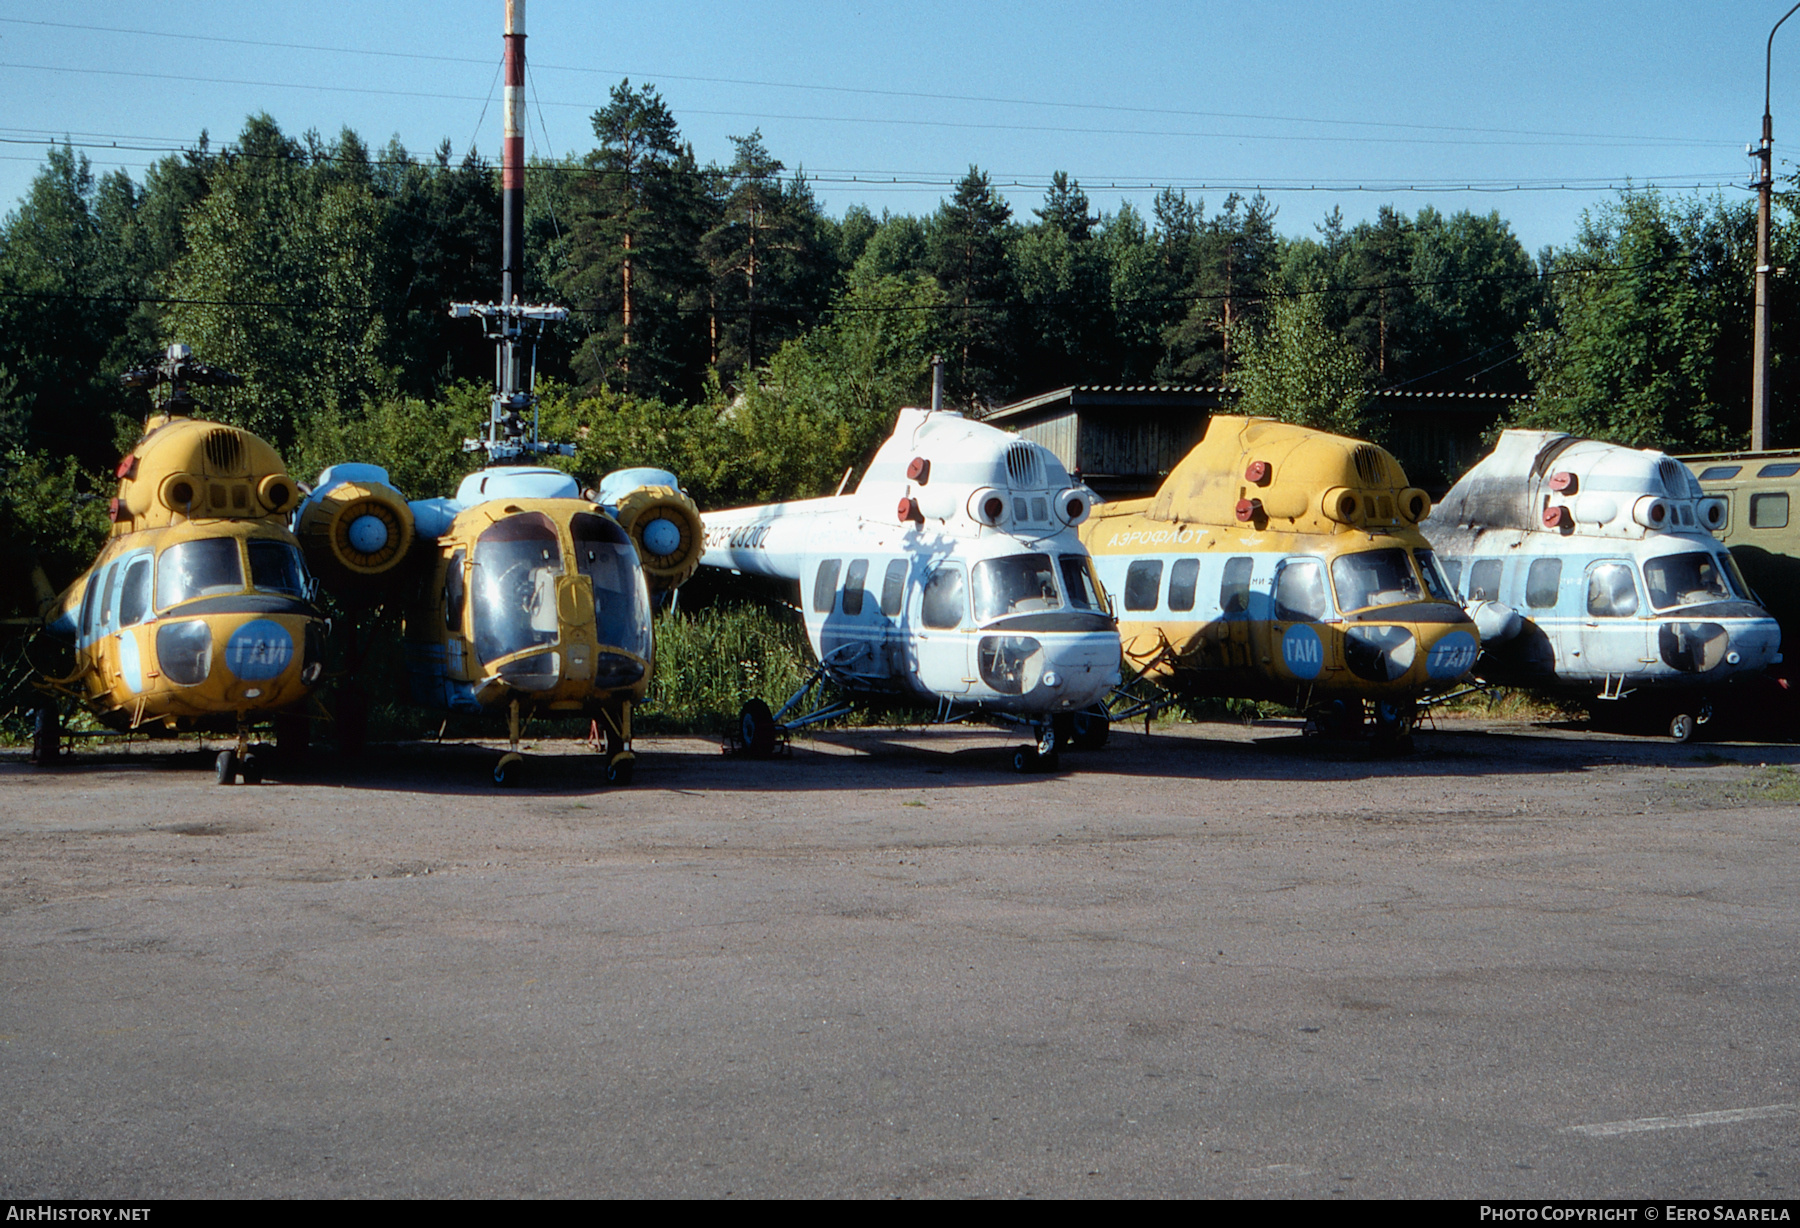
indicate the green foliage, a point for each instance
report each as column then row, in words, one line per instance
column 710, row 662
column 418, row 442
column 1630, row 358
column 1298, row 370
column 277, row 283
column 53, row 515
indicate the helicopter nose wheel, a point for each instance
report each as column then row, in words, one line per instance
column 618, row 771
column 1039, row 758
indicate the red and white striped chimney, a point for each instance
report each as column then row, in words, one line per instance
column 512, row 159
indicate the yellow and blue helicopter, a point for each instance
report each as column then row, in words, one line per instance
column 1284, row 563
column 198, row 612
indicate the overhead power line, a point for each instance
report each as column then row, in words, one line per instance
column 818, row 87
column 893, row 121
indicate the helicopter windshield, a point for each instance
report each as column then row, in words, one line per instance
column 621, row 602
column 1017, row 584
column 206, row 567
column 1684, row 579
column 1374, row 578
column 275, row 567
column 513, row 585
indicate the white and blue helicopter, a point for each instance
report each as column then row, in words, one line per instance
column 953, row 578
column 1591, row 570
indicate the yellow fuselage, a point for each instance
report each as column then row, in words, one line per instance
column 197, row 612
column 536, row 600
column 1281, row 563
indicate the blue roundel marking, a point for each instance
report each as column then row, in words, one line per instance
column 1451, row 657
column 1302, row 652
column 259, row 649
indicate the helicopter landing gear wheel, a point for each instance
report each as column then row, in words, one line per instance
column 1682, row 726
column 618, row 771
column 225, row 767
column 250, row 767
column 510, row 768
column 756, row 729
column 46, row 735
column 1028, row 759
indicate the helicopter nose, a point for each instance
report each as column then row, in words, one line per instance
column 1451, row 656
column 1080, row 670
column 368, row 534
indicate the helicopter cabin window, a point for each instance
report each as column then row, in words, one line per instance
column 134, row 593
column 1016, row 584
column 855, row 577
column 1683, row 579
column 275, row 567
column 1769, row 511
column 1374, row 578
column 1440, row 586
column 1718, row 473
column 1453, row 573
column 1542, row 583
column 1612, row 592
column 1783, row 469
column 454, row 591
column 1143, row 581
column 1300, row 591
column 610, row 562
column 825, row 585
column 893, row 587
column 1234, row 589
column 1484, row 580
column 206, row 567
column 942, row 605
column 1184, row 577
column 513, row 585
column 1079, row 583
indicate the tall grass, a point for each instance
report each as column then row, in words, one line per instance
column 710, row 661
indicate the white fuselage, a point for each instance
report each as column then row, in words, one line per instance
column 953, row 576
column 930, row 615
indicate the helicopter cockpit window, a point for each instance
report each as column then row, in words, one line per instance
column 207, row 567
column 943, row 605
column 1300, row 591
column 513, row 583
column 275, row 567
column 1612, row 592
column 1016, row 584
column 1440, row 586
column 454, row 592
column 1683, row 579
column 1374, row 578
column 103, row 616
column 1079, row 583
column 134, row 594
column 621, row 601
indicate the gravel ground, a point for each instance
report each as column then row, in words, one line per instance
column 1524, row 962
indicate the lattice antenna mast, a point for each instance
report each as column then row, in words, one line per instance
column 513, row 325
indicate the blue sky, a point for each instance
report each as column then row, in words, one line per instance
column 1563, row 99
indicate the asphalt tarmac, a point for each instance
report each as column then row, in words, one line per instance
column 1523, row 962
